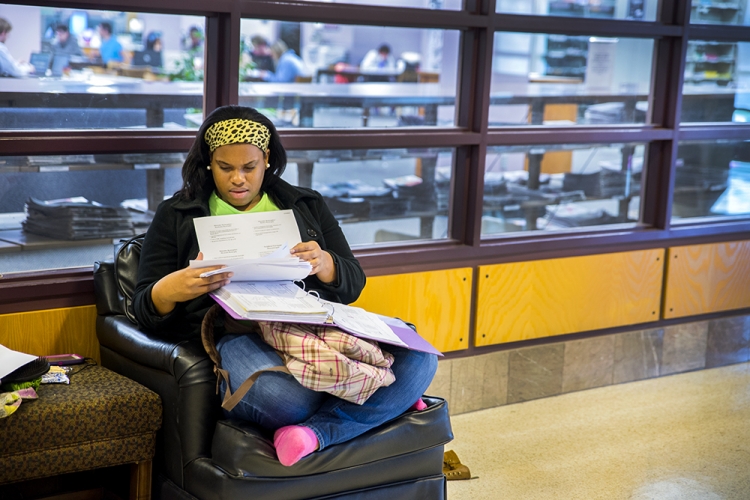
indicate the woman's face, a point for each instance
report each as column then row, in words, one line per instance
column 238, row 171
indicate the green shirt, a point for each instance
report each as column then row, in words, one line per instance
column 217, row 206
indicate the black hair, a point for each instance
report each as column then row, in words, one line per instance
column 151, row 39
column 62, row 27
column 106, row 27
column 197, row 181
column 384, row 49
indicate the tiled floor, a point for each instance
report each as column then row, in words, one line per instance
column 681, row 437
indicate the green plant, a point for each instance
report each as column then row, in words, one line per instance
column 185, row 70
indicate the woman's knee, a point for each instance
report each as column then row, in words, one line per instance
column 278, row 399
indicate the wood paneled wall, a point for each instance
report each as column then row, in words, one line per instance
column 516, row 301
column 53, row 331
column 707, row 278
column 527, row 300
column 437, row 302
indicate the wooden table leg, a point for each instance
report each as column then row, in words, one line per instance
column 140, row 481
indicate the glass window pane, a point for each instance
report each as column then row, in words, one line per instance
column 563, row 80
column 637, row 10
column 415, row 4
column 73, row 67
column 712, row 179
column 556, row 187
column 342, row 76
column 716, row 87
column 131, row 185
column 719, row 12
column 380, row 195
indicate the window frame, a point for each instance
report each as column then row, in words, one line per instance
column 477, row 23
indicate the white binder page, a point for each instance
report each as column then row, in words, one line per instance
column 281, row 297
column 364, row 324
column 245, row 236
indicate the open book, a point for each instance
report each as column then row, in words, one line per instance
column 286, row 302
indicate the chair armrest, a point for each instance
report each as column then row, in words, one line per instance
column 181, row 373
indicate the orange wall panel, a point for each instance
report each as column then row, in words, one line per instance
column 52, row 331
column 527, row 300
column 707, row 278
column 437, row 302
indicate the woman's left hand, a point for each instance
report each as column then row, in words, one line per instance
column 320, row 260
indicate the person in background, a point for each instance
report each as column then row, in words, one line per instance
column 8, row 65
column 261, row 53
column 110, row 50
column 194, row 42
column 151, row 56
column 379, row 60
column 289, row 66
column 153, row 41
column 65, row 44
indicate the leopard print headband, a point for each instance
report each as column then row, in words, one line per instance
column 237, row 130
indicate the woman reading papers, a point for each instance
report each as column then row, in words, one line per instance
column 234, row 167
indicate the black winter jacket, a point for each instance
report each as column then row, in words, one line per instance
column 171, row 243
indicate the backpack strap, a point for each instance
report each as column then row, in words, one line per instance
column 207, row 337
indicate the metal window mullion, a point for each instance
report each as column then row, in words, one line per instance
column 222, row 64
column 657, row 190
column 473, row 111
column 581, row 26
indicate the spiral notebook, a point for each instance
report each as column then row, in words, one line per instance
column 286, row 302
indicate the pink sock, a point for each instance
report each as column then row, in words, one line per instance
column 294, row 442
column 419, row 405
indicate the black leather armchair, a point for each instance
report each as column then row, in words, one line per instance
column 202, row 455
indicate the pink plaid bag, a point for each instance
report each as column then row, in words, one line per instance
column 327, row 359
column 322, row 358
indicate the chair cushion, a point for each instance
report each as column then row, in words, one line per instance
column 100, row 419
column 242, row 450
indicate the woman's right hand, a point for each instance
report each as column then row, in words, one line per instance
column 185, row 284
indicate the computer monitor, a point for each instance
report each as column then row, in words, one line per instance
column 147, row 58
column 59, row 63
column 40, row 61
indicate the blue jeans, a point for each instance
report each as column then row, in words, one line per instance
column 278, row 399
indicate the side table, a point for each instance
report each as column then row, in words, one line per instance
column 101, row 419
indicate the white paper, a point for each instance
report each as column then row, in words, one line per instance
column 246, row 236
column 600, row 63
column 254, row 246
column 12, row 360
column 363, row 324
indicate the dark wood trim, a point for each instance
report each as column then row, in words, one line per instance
column 368, row 138
column 604, row 134
column 583, row 26
column 56, row 143
column 182, row 7
column 714, row 132
column 337, row 13
column 720, row 32
column 54, row 288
